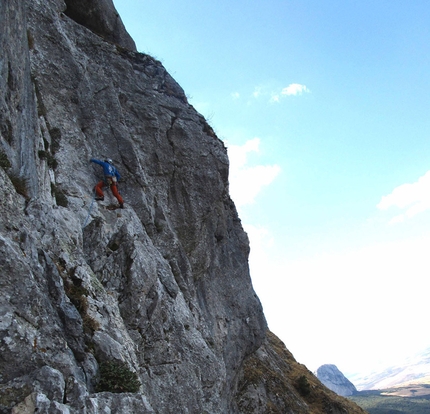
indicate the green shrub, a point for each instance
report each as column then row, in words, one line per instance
column 4, row 161
column 20, row 184
column 60, row 197
column 115, row 376
column 6, row 130
column 302, row 385
column 50, row 160
column 55, row 139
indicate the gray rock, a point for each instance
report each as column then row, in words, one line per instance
column 50, row 382
column 333, row 379
column 100, row 17
column 114, row 403
column 162, row 285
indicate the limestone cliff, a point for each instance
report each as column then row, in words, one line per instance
column 149, row 309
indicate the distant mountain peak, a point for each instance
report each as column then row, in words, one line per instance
column 333, row 379
column 414, row 369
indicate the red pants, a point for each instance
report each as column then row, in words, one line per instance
column 113, row 187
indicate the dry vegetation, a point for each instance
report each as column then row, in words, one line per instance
column 284, row 385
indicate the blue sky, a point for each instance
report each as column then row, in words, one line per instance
column 324, row 108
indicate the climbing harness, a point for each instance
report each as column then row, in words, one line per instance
column 89, row 210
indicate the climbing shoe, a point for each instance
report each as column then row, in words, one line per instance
column 121, row 205
column 100, row 198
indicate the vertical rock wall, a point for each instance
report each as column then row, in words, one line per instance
column 163, row 285
column 18, row 120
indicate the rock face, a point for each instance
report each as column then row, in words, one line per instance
column 100, row 17
column 149, row 309
column 332, row 378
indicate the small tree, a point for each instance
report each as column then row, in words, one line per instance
column 303, row 386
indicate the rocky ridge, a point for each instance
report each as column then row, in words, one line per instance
column 160, row 292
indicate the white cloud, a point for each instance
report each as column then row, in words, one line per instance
column 414, row 197
column 258, row 91
column 246, row 182
column 397, row 219
column 275, row 98
column 295, row 89
column 235, row 95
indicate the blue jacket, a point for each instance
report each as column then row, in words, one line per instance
column 108, row 169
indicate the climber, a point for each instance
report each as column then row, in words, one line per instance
column 111, row 178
